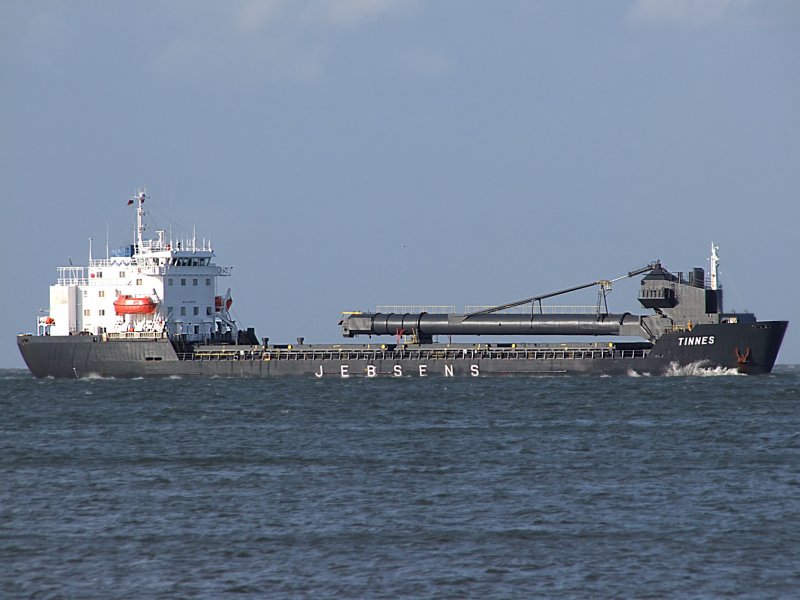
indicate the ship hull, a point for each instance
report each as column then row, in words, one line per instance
column 749, row 348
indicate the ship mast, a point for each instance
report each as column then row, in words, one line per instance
column 140, row 197
column 714, row 266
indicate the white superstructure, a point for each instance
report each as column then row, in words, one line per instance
column 151, row 287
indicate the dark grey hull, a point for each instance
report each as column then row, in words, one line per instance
column 750, row 348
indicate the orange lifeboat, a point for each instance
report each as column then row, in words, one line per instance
column 134, row 305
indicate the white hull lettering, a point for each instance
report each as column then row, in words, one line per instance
column 706, row 340
column 397, row 370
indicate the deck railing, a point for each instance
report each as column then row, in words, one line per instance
column 136, row 335
column 434, row 309
column 449, row 309
column 371, row 354
column 551, row 309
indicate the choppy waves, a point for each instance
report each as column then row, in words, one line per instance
column 698, row 369
column 512, row 488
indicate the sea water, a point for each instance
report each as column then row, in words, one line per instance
column 683, row 486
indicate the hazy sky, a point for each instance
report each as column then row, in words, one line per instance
column 348, row 153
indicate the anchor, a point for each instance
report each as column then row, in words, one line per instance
column 742, row 359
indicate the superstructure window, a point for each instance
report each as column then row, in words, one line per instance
column 196, row 310
column 87, row 312
column 208, row 281
column 183, row 311
column 99, row 274
column 101, row 312
column 138, row 282
column 101, row 294
column 122, row 274
column 169, row 281
column 183, row 281
column 194, row 281
column 208, row 311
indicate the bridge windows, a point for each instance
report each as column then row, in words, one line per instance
column 190, row 262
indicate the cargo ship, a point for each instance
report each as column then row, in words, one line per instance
column 152, row 309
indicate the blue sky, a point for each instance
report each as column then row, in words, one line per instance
column 349, row 153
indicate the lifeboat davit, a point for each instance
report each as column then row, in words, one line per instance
column 134, row 305
column 218, row 303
